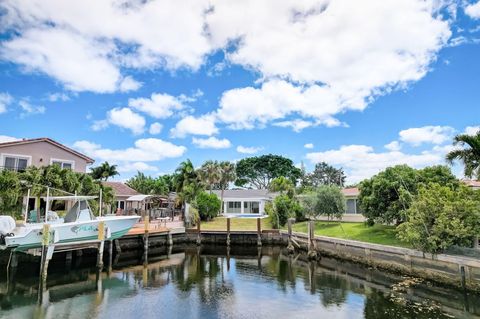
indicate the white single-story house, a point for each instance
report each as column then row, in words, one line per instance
column 245, row 201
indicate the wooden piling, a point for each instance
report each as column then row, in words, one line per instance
column 312, row 252
column 228, row 231
column 101, row 245
column 45, row 256
column 259, row 232
column 199, row 234
column 146, row 234
column 290, row 247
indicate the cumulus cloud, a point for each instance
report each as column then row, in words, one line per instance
column 128, row 84
column 297, row 125
column 136, row 167
column 126, row 118
column 155, row 128
column 59, row 96
column 308, row 145
column 473, row 10
column 427, row 134
column 144, row 150
column 211, row 142
column 30, row 109
column 6, row 138
column 393, row 146
column 5, row 100
column 159, row 105
column 362, row 161
column 203, row 125
column 471, row 130
column 248, row 149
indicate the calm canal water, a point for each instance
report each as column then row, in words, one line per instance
column 212, row 282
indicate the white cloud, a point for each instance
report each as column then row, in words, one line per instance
column 396, row 46
column 471, row 130
column 211, row 142
column 59, row 96
column 84, row 52
column 427, row 134
column 144, row 150
column 155, row 128
column 99, row 125
column 248, row 150
column 393, row 146
column 136, row 167
column 159, row 105
column 30, row 109
column 361, row 161
column 5, row 138
column 473, row 10
column 297, row 125
column 129, row 84
column 203, row 125
column 126, row 118
column 5, row 100
column 308, row 145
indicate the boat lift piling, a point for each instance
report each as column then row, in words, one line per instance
column 228, row 230
column 259, row 232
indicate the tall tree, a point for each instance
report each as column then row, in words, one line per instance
column 325, row 174
column 469, row 154
column 104, row 171
column 186, row 181
column 210, row 173
column 148, row 185
column 227, row 176
column 259, row 171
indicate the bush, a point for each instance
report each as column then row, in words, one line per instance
column 440, row 217
column 282, row 209
column 208, row 205
column 325, row 200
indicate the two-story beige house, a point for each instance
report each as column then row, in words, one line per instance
column 17, row 155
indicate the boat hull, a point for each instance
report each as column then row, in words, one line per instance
column 31, row 236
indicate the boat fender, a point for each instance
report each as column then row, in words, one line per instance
column 7, row 225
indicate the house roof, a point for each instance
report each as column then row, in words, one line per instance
column 351, row 191
column 121, row 189
column 471, row 183
column 246, row 193
column 48, row 140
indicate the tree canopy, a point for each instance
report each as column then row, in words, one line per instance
column 385, row 196
column 148, row 185
column 104, row 171
column 259, row 171
column 325, row 174
column 468, row 154
column 441, row 216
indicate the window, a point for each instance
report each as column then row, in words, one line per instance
column 64, row 164
column 15, row 163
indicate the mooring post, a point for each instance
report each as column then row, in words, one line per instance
column 463, row 277
column 290, row 247
column 259, row 232
column 199, row 238
column 45, row 256
column 110, row 255
column 311, row 276
column 146, row 233
column 228, row 231
column 476, row 243
column 169, row 239
column 101, row 245
column 312, row 253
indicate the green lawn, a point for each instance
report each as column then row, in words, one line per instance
column 220, row 223
column 377, row 234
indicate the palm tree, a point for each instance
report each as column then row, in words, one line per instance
column 186, row 181
column 104, row 171
column 227, row 175
column 469, row 154
column 210, row 174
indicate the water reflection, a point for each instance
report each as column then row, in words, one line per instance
column 219, row 282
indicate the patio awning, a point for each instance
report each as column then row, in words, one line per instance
column 138, row 198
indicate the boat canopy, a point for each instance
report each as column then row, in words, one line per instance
column 72, row 197
column 79, row 212
column 138, row 198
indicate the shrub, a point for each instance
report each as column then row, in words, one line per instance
column 330, row 202
column 208, row 205
column 282, row 209
column 440, row 217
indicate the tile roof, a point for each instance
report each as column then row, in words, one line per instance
column 121, row 189
column 48, row 140
column 351, row 191
column 471, row 183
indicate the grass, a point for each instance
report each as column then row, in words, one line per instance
column 220, row 223
column 377, row 234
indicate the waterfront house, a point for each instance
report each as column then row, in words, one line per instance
column 245, row 201
column 18, row 155
column 475, row 185
column 122, row 193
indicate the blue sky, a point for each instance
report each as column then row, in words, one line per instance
column 147, row 85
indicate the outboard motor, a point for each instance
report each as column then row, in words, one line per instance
column 7, row 225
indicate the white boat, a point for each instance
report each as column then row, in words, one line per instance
column 78, row 225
